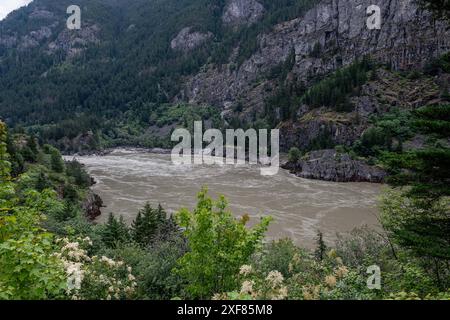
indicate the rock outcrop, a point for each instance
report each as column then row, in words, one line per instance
column 34, row 38
column 330, row 165
column 73, row 42
column 187, row 40
column 92, row 206
column 242, row 12
column 46, row 32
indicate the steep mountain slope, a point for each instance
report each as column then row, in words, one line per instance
column 250, row 60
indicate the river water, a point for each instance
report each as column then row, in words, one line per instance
column 126, row 179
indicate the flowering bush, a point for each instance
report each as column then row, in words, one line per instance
column 328, row 278
column 256, row 287
column 90, row 278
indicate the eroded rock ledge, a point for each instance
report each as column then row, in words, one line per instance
column 329, row 165
column 92, row 206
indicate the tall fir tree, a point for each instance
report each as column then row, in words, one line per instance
column 5, row 165
column 57, row 162
column 424, row 176
column 321, row 247
column 115, row 231
column 149, row 224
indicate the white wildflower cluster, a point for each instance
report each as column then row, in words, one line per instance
column 257, row 286
column 73, row 258
column 277, row 290
column 330, row 280
column 245, row 270
column 112, row 277
column 86, row 275
column 247, row 287
column 275, row 278
column 311, row 292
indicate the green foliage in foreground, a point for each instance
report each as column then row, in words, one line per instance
column 28, row 268
column 420, row 218
column 219, row 244
column 205, row 253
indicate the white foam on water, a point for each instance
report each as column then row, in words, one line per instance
column 126, row 179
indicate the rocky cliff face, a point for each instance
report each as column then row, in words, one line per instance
column 187, row 39
column 92, row 206
column 377, row 97
column 242, row 12
column 74, row 43
column 407, row 39
column 50, row 33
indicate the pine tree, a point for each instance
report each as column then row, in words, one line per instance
column 16, row 159
column 115, row 231
column 42, row 182
column 321, row 247
column 5, row 165
column 148, row 224
column 57, row 162
column 427, row 170
column 32, row 144
column 424, row 175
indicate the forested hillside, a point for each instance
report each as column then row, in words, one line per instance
column 118, row 69
column 255, row 63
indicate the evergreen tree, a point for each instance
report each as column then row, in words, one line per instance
column 427, row 170
column 57, row 162
column 321, row 247
column 81, row 177
column 5, row 165
column 42, row 182
column 16, row 158
column 32, row 144
column 115, row 231
column 27, row 154
column 148, row 224
column 424, row 175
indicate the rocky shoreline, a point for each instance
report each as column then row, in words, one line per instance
column 330, row 165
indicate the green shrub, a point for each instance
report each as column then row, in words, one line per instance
column 219, row 244
column 294, row 155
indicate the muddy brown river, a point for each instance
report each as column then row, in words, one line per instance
column 126, row 179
